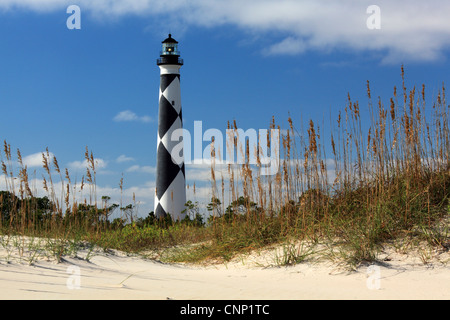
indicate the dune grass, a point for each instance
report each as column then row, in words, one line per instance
column 365, row 183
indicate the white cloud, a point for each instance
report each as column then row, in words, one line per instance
column 288, row 46
column 197, row 173
column 410, row 29
column 142, row 195
column 142, row 169
column 82, row 165
column 128, row 115
column 35, row 160
column 123, row 158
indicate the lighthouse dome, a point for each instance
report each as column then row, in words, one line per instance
column 169, row 52
column 170, row 40
column 170, row 46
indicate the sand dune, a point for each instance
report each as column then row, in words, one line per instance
column 118, row 276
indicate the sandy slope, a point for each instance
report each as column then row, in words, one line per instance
column 117, row 276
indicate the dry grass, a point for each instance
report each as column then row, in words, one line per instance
column 385, row 181
column 378, row 175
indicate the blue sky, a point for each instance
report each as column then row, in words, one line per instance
column 247, row 60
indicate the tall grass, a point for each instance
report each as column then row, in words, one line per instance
column 70, row 216
column 366, row 182
column 377, row 174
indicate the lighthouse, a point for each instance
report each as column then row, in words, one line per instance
column 170, row 193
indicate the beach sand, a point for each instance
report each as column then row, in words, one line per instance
column 116, row 275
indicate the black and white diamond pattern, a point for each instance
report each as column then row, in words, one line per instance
column 170, row 195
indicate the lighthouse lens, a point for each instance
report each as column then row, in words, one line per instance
column 170, row 49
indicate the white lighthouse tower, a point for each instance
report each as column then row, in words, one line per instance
column 170, row 194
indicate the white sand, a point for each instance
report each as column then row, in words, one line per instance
column 117, row 276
